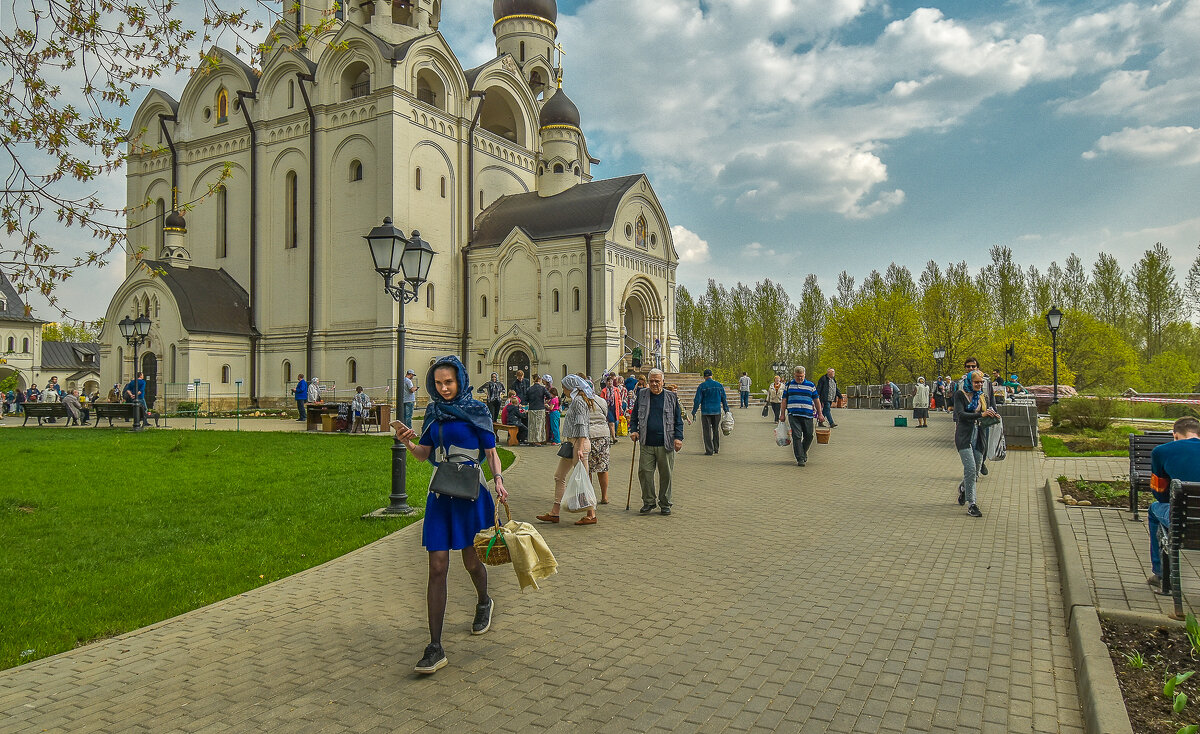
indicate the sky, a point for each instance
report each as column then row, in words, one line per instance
column 787, row 137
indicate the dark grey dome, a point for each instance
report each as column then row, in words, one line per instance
column 175, row 220
column 559, row 110
column 547, row 9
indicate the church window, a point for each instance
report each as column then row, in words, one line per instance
column 430, row 300
column 541, row 170
column 222, row 222
column 425, row 92
column 575, row 296
column 356, row 81
column 155, row 307
column 555, row 300
column 575, row 170
column 641, row 232
column 356, row 171
column 653, row 240
column 291, row 94
column 225, row 374
column 352, row 371
column 172, row 368
column 290, row 191
column 443, row 187
column 25, row 345
column 160, row 218
column 287, row 371
column 418, row 179
column 481, row 199
column 483, row 307
column 222, row 106
column 12, row 344
column 558, row 168
column 3, row 304
column 628, row 231
column 522, row 52
column 479, row 366
column 207, row 115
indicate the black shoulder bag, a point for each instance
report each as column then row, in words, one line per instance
column 453, row 477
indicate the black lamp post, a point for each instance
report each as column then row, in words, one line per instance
column 1053, row 320
column 410, row 258
column 779, row 367
column 939, row 354
column 136, row 331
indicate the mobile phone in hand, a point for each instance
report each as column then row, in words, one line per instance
column 397, row 425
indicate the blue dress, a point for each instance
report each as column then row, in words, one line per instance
column 451, row 523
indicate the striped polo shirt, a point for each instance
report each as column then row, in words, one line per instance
column 800, row 397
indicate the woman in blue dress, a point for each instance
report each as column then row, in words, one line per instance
column 454, row 418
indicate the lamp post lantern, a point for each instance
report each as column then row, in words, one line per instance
column 136, row 332
column 237, row 411
column 196, row 399
column 779, row 367
column 409, row 258
column 939, row 354
column 1054, row 320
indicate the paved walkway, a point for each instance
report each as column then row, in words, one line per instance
column 852, row 595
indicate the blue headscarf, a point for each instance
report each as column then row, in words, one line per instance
column 463, row 407
column 971, row 393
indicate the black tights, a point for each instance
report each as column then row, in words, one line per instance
column 435, row 597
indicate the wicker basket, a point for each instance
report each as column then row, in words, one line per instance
column 822, row 435
column 490, row 545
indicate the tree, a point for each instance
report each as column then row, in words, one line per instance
column 877, row 330
column 845, row 287
column 59, row 141
column 1097, row 353
column 685, row 328
column 1157, row 300
column 1004, row 283
column 952, row 312
column 1074, row 285
column 1108, row 293
column 1043, row 289
column 1170, row 372
column 1034, row 361
column 810, row 322
column 67, row 332
column 1192, row 288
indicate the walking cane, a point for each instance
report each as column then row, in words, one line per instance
column 632, row 460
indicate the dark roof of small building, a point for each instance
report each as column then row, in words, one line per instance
column 70, row 356
column 210, row 301
column 585, row 208
column 14, row 307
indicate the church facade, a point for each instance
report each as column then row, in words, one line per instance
column 256, row 188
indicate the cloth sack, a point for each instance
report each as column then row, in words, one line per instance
column 997, row 447
column 531, row 557
column 579, row 495
column 783, row 435
column 622, row 426
column 727, row 423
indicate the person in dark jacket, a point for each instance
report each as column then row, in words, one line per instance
column 520, row 385
column 969, row 408
column 711, row 402
column 535, row 416
column 827, row 390
column 493, row 395
column 301, row 394
column 657, row 424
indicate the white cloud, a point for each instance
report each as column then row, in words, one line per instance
column 1158, row 145
column 756, row 250
column 692, row 250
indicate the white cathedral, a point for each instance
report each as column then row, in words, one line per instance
column 268, row 276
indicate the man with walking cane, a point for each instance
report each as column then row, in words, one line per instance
column 657, row 426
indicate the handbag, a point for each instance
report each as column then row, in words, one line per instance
column 765, row 407
column 988, row 421
column 453, row 477
column 566, row 450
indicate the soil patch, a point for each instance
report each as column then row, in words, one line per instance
column 1100, row 494
column 1165, row 651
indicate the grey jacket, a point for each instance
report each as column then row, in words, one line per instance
column 672, row 418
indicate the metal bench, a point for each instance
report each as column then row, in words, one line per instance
column 46, row 410
column 1140, row 447
column 1184, row 535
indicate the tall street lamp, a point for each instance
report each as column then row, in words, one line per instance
column 136, row 331
column 409, row 258
column 939, row 354
column 1053, row 320
column 779, row 367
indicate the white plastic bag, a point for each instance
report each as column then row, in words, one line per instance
column 997, row 447
column 727, row 423
column 783, row 435
column 579, row 495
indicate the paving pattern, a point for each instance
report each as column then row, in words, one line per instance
column 851, row 595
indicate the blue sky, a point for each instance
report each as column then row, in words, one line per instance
column 793, row 136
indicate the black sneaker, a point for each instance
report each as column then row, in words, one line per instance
column 665, row 511
column 483, row 617
column 974, row 511
column 983, row 469
column 647, row 508
column 962, row 494
column 433, row 660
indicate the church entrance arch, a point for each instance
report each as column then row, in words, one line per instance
column 7, row 371
column 635, row 327
column 150, row 370
column 517, row 360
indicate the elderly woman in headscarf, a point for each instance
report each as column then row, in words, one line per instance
column 921, row 403
column 454, row 419
column 575, row 430
column 969, row 409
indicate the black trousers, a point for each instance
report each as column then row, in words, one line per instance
column 494, row 406
column 802, row 436
column 712, row 433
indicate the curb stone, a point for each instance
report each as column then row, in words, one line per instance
column 1100, row 694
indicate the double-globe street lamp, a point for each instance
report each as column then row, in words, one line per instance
column 779, row 367
column 1053, row 320
column 136, row 332
column 409, row 258
column 939, row 354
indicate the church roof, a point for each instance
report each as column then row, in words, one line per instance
column 585, row 208
column 547, row 9
column 210, row 301
column 559, row 110
column 14, row 307
column 70, row 356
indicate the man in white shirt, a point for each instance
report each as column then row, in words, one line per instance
column 410, row 397
column 744, row 389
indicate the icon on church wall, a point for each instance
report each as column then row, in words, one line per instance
column 641, row 232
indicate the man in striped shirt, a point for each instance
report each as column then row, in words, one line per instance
column 801, row 404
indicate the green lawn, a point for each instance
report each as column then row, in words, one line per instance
column 1055, row 447
column 102, row 532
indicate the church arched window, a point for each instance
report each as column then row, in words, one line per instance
column 25, row 345
column 555, row 297
column 558, row 168
column 575, row 170
column 483, row 306
column 172, row 368
column 222, row 106
column 575, row 297
column 290, row 195
column 430, row 299
column 287, row 371
column 522, row 52
column 222, row 222
column 291, row 94
column 225, row 374
column 356, row 171
column 12, row 344
column 352, row 371
column 443, row 187
column 417, row 181
column 481, row 199
column 160, row 219
column 356, row 81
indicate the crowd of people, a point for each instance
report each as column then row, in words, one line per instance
column 77, row 402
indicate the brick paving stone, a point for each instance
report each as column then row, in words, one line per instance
column 852, row 595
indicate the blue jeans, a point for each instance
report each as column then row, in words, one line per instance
column 1158, row 514
column 300, row 408
column 408, row 409
column 745, row 395
column 971, row 461
column 827, row 411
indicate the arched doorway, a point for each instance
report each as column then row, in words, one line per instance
column 635, row 327
column 7, row 371
column 518, row 360
column 150, row 370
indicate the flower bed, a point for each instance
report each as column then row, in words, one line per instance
column 1144, row 658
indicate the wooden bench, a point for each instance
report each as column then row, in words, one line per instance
column 46, row 410
column 1184, row 535
column 1140, row 447
column 125, row 411
column 512, row 432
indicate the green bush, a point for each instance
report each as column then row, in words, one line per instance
column 1179, row 410
column 1145, row 410
column 1082, row 413
column 188, row 408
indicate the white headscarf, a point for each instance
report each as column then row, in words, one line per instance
column 548, row 379
column 575, row 383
